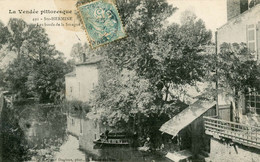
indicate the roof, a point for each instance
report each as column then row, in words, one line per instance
column 73, row 73
column 180, row 155
column 92, row 60
column 187, row 116
column 240, row 15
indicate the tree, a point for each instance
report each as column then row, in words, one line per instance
column 139, row 70
column 39, row 69
column 177, row 56
column 78, row 50
column 237, row 71
column 46, row 81
column 17, row 29
column 4, row 34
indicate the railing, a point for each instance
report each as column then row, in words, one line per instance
column 240, row 133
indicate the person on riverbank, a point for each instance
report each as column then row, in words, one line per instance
column 106, row 135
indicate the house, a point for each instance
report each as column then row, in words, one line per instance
column 83, row 79
column 187, row 127
column 79, row 85
column 235, row 132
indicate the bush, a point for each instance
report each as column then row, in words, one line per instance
column 76, row 107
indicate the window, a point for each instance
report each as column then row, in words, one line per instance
column 71, row 89
column 253, row 102
column 258, row 40
column 81, row 127
column 72, row 122
column 251, row 38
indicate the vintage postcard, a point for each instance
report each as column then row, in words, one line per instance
column 183, row 85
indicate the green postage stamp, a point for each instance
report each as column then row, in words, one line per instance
column 102, row 22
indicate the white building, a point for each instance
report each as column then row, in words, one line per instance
column 235, row 132
column 82, row 80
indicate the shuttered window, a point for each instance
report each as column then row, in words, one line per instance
column 258, row 41
column 251, row 38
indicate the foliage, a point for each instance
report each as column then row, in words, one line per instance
column 138, row 71
column 12, row 138
column 253, row 3
column 76, row 107
column 49, row 126
column 236, row 69
column 2, row 82
column 39, row 69
column 77, row 50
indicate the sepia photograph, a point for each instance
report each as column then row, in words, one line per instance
column 130, row 80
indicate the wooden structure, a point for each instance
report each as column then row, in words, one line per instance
column 114, row 139
column 188, row 126
column 239, row 133
column 184, row 155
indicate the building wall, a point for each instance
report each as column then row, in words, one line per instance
column 193, row 136
column 87, row 78
column 91, row 130
column 221, row 151
column 236, row 30
column 71, row 88
column 79, row 87
column 200, row 141
column 73, row 125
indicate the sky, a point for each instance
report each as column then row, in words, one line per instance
column 212, row 12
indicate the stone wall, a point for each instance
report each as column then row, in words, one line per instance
column 224, row 152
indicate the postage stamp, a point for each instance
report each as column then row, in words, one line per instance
column 102, row 22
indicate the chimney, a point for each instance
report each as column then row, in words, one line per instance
column 243, row 5
column 236, row 7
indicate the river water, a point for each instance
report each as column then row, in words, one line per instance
column 54, row 136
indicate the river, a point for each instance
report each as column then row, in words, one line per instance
column 54, row 136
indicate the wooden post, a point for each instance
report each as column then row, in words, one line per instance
column 216, row 52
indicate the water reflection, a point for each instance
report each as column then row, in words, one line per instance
column 54, row 136
column 45, row 130
column 70, row 151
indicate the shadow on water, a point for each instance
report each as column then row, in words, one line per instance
column 44, row 128
column 44, row 133
column 86, row 130
column 13, row 143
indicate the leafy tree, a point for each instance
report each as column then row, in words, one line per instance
column 36, row 46
column 2, row 82
column 16, row 76
column 237, row 71
column 47, row 80
column 39, row 68
column 152, row 59
column 4, row 34
column 253, row 3
column 12, row 138
column 177, row 56
column 78, row 49
column 17, row 29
